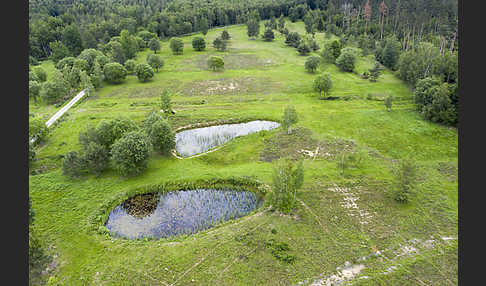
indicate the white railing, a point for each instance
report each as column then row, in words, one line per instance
column 63, row 110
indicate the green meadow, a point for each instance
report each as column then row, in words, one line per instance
column 341, row 217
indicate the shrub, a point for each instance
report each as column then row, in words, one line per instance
column 346, row 60
column 375, row 72
column 216, row 63
column 303, row 48
column 96, row 157
column 151, row 118
column 109, row 131
column 286, row 180
column 130, row 153
column 327, row 55
column 72, row 165
column 268, row 35
column 144, row 72
column 441, row 109
column 34, row 89
column 405, row 180
column 31, row 153
column 335, row 48
column 130, row 66
column 312, row 63
column 292, row 39
column 388, row 102
column 165, row 102
column 219, row 44
column 81, row 65
column 88, row 136
column 33, row 76
column 54, row 90
column 198, row 43
column 289, row 117
column 37, row 129
column 177, row 46
column 67, row 61
column 33, row 61
column 437, row 101
column 161, row 136
column 313, row 45
column 41, row 74
column 225, row 35
column 114, row 72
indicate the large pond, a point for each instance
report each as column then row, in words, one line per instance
column 199, row 140
column 179, row 212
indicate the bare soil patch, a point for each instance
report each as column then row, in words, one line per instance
column 300, row 144
column 228, row 86
column 234, row 61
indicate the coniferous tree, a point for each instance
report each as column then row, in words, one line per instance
column 219, row 44
column 198, row 44
column 253, row 25
column 268, row 35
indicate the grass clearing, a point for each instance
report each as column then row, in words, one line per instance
column 238, row 253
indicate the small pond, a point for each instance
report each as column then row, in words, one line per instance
column 159, row 215
column 199, row 140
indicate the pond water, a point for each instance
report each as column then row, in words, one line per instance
column 179, row 212
column 199, row 140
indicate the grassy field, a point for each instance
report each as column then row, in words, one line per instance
column 326, row 231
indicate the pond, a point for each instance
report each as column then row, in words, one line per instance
column 173, row 213
column 199, row 140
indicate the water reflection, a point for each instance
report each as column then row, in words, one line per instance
column 199, row 140
column 180, row 212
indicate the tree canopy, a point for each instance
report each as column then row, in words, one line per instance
column 114, row 72
column 198, row 43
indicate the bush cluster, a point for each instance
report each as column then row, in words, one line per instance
column 121, row 141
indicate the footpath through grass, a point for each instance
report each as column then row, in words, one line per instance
column 345, row 217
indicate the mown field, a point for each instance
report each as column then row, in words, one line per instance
column 341, row 217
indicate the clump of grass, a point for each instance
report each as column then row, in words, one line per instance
column 280, row 251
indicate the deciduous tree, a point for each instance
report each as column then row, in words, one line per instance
column 289, row 118
column 155, row 61
column 323, row 84
column 154, row 45
column 114, row 72
column 312, row 63
column 346, row 60
column 215, row 63
column 130, row 153
column 177, row 46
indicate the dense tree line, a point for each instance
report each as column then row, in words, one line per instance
column 75, row 25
